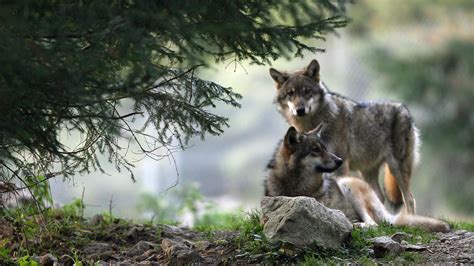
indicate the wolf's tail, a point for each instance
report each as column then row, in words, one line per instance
column 426, row 223
column 391, row 188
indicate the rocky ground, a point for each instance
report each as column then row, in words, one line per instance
column 454, row 247
column 99, row 242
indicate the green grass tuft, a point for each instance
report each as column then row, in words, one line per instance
column 462, row 225
column 213, row 221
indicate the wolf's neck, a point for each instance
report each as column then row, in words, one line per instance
column 324, row 114
column 295, row 182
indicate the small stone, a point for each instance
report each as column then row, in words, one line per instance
column 178, row 250
column 48, row 260
column 187, row 256
column 104, row 255
column 411, row 247
column 399, row 236
column 384, row 245
column 140, row 248
column 97, row 247
column 242, row 256
column 172, row 246
column 132, row 233
column 221, row 242
column 148, row 255
column 169, row 231
column 202, row 245
column 96, row 220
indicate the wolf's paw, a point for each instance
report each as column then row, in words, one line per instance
column 364, row 224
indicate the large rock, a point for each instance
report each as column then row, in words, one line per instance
column 303, row 221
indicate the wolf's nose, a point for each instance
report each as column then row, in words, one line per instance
column 339, row 161
column 300, row 111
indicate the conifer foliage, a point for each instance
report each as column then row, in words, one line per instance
column 69, row 68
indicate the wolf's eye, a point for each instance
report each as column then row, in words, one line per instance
column 289, row 94
column 307, row 91
column 315, row 152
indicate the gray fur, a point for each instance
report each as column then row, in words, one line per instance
column 293, row 171
column 298, row 167
column 365, row 135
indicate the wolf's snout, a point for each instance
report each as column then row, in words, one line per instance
column 300, row 111
column 338, row 162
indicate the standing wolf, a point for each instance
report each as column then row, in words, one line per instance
column 364, row 135
column 297, row 169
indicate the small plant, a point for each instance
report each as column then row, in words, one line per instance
column 4, row 251
column 74, row 209
column 26, row 261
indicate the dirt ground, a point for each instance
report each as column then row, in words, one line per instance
column 454, row 247
column 164, row 244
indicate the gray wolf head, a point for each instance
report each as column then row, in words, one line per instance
column 299, row 93
column 307, row 152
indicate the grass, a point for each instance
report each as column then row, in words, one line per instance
column 462, row 225
column 214, row 221
column 361, row 236
column 361, row 244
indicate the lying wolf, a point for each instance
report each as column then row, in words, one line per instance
column 364, row 135
column 297, row 170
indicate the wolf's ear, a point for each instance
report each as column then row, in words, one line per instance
column 291, row 138
column 277, row 76
column 312, row 70
column 317, row 130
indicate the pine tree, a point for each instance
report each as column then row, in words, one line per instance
column 69, row 66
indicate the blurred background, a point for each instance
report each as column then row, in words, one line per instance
column 418, row 52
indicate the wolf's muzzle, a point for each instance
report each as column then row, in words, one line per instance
column 301, row 111
column 337, row 163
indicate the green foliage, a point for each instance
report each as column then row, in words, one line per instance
column 78, row 66
column 166, row 210
column 213, row 220
column 26, row 261
column 74, row 209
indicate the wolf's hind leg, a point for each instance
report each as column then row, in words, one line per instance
column 401, row 162
column 403, row 181
column 372, row 177
column 361, row 197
